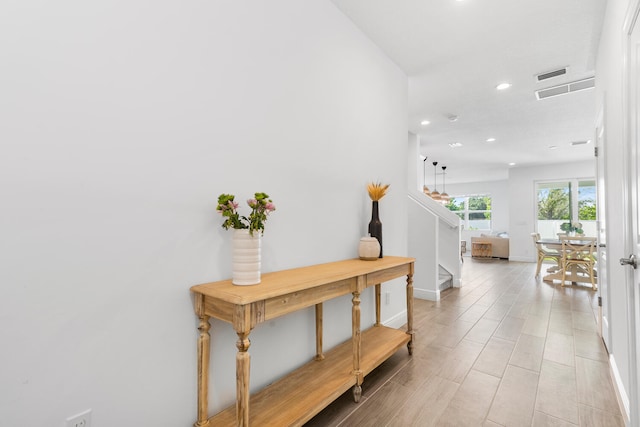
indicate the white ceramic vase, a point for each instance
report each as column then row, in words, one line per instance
column 369, row 248
column 246, row 257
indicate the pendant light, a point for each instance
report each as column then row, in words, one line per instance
column 435, row 195
column 444, row 196
column 425, row 189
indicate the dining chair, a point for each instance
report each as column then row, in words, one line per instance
column 544, row 252
column 579, row 252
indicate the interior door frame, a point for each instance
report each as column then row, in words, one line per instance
column 602, row 215
column 630, row 225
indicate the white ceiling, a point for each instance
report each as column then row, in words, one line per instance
column 456, row 52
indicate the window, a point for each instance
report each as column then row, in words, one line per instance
column 586, row 201
column 559, row 202
column 474, row 211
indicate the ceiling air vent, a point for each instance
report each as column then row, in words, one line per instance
column 552, row 91
column 551, row 74
column 566, row 88
column 582, row 84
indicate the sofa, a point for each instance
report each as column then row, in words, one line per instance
column 499, row 244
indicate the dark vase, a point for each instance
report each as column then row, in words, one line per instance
column 375, row 226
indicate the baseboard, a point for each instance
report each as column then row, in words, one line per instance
column 457, row 282
column 397, row 321
column 521, row 259
column 426, row 294
column 623, row 399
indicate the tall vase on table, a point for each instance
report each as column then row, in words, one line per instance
column 375, row 226
column 376, row 192
column 247, row 235
column 246, row 257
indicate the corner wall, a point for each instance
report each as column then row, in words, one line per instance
column 423, row 244
column 122, row 123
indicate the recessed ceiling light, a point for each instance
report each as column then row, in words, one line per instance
column 455, row 144
column 425, row 122
column 512, row 164
column 553, row 147
column 580, row 142
column 452, row 117
column 491, row 140
column 503, row 86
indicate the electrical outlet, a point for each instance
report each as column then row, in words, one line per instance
column 387, row 298
column 82, row 419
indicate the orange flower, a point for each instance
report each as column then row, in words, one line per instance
column 376, row 190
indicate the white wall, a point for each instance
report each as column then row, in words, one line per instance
column 414, row 163
column 423, row 238
column 522, row 201
column 609, row 99
column 121, row 124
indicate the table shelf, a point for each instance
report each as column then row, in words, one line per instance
column 283, row 404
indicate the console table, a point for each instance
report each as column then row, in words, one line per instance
column 296, row 398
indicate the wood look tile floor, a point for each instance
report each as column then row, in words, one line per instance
column 505, row 349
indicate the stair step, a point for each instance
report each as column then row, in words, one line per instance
column 445, row 279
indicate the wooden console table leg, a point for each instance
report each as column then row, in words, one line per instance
column 378, row 288
column 203, row 372
column 204, row 348
column 410, row 330
column 319, row 353
column 242, row 324
column 243, row 363
column 357, row 345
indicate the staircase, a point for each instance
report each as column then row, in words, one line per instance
column 445, row 279
column 434, row 242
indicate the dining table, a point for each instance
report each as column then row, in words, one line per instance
column 574, row 275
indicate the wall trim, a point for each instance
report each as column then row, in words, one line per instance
column 397, row 321
column 623, row 399
column 426, row 294
column 521, row 259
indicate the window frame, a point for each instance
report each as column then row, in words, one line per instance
column 574, row 200
column 464, row 213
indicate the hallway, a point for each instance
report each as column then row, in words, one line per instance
column 506, row 349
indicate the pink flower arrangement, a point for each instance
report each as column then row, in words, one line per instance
column 261, row 206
